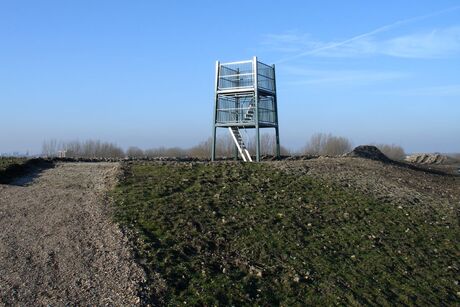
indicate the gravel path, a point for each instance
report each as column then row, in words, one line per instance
column 58, row 245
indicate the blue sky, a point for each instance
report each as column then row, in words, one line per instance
column 142, row 72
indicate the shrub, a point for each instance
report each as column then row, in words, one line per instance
column 135, row 152
column 394, row 152
column 327, row 144
column 86, row 149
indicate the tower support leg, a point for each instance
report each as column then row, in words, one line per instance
column 213, row 145
column 257, row 143
column 278, row 147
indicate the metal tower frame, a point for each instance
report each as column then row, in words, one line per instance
column 245, row 98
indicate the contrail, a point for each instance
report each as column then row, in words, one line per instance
column 368, row 34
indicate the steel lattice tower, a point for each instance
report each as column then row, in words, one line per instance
column 245, row 98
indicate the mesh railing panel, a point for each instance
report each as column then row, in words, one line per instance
column 234, row 109
column 265, row 77
column 236, row 75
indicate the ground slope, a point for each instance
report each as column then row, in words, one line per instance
column 58, row 245
column 324, row 231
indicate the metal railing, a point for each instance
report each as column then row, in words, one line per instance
column 233, row 116
column 235, row 109
column 265, row 77
column 236, row 75
column 236, row 116
column 239, row 75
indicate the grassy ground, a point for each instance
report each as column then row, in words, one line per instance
column 6, row 162
column 230, row 233
column 9, row 167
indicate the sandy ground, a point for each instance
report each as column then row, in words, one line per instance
column 58, row 245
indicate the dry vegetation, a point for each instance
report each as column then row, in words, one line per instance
column 97, row 149
column 327, row 144
column 394, row 152
column 330, row 145
column 455, row 156
column 319, row 144
column 86, row 149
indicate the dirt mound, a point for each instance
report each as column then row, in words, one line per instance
column 427, row 158
column 368, row 152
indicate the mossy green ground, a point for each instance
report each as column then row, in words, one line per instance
column 249, row 234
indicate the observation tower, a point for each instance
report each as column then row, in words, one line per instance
column 245, row 99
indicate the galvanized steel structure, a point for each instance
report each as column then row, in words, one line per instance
column 245, row 98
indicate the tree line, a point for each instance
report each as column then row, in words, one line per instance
column 319, row 144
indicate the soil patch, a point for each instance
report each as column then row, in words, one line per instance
column 368, row 152
column 58, row 245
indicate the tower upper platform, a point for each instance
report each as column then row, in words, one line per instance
column 242, row 76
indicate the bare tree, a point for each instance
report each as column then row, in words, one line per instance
column 316, row 144
column 135, row 152
column 48, row 148
column 327, row 144
column 176, row 152
column 392, row 151
column 51, row 147
column 267, row 145
column 155, row 152
column 86, row 149
column 224, row 148
column 202, row 150
column 173, row 152
column 455, row 156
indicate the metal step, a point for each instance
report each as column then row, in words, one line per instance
column 249, row 113
column 238, row 139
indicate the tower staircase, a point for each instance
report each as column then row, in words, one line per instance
column 239, row 142
column 249, row 113
column 236, row 134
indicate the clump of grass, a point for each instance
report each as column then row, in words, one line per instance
column 230, row 233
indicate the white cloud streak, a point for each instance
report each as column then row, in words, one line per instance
column 339, row 77
column 452, row 90
column 364, row 44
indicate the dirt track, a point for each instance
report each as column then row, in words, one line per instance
column 57, row 243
